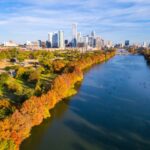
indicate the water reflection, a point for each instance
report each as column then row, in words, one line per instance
column 39, row 131
column 110, row 112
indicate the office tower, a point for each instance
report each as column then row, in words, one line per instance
column 127, row 43
column 98, row 43
column 48, row 44
column 78, row 37
column 50, row 38
column 144, row 44
column 109, row 44
column 66, row 42
column 40, row 43
column 85, row 40
column 91, row 41
column 61, row 39
column 74, row 35
column 93, row 34
column 55, row 40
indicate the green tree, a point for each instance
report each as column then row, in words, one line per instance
column 3, row 78
column 7, row 145
column 20, row 72
column 34, row 76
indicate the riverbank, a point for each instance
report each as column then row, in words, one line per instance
column 147, row 55
column 17, row 127
column 112, row 106
column 143, row 51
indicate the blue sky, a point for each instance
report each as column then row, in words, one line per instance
column 117, row 20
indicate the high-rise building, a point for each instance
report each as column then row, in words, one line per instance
column 48, row 44
column 108, row 44
column 40, row 43
column 55, row 40
column 98, row 43
column 144, row 44
column 74, row 35
column 85, row 40
column 92, row 41
column 66, row 42
column 127, row 43
column 93, row 34
column 50, row 38
column 61, row 39
column 78, row 37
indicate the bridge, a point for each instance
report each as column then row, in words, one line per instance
column 122, row 52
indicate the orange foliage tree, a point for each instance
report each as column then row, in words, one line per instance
column 17, row 127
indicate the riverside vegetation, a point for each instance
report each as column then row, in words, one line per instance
column 143, row 51
column 29, row 94
column 146, row 54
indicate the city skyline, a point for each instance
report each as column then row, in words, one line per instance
column 117, row 20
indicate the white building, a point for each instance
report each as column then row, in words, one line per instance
column 32, row 45
column 78, row 37
column 56, row 39
column 109, row 44
column 144, row 45
column 50, row 38
column 61, row 39
column 74, row 35
column 85, row 40
column 10, row 44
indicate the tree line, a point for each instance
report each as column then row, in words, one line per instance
column 17, row 127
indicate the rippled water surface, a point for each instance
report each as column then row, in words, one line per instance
column 110, row 112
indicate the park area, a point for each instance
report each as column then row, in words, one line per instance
column 30, row 73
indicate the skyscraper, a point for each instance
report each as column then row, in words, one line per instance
column 127, row 43
column 55, row 41
column 74, row 35
column 61, row 39
column 144, row 44
column 40, row 43
column 78, row 37
column 50, row 38
column 93, row 34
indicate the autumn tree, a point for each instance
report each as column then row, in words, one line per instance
column 34, row 76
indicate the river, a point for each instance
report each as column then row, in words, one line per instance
column 110, row 112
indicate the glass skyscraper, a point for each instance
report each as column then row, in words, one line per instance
column 74, row 35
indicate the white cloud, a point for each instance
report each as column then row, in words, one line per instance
column 36, row 16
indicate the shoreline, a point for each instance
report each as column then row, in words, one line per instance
column 17, row 127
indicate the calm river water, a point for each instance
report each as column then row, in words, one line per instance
column 110, row 112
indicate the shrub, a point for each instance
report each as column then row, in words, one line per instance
column 38, row 90
column 20, row 72
column 7, row 145
column 3, row 78
column 14, row 86
column 58, row 66
column 6, row 108
column 34, row 76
